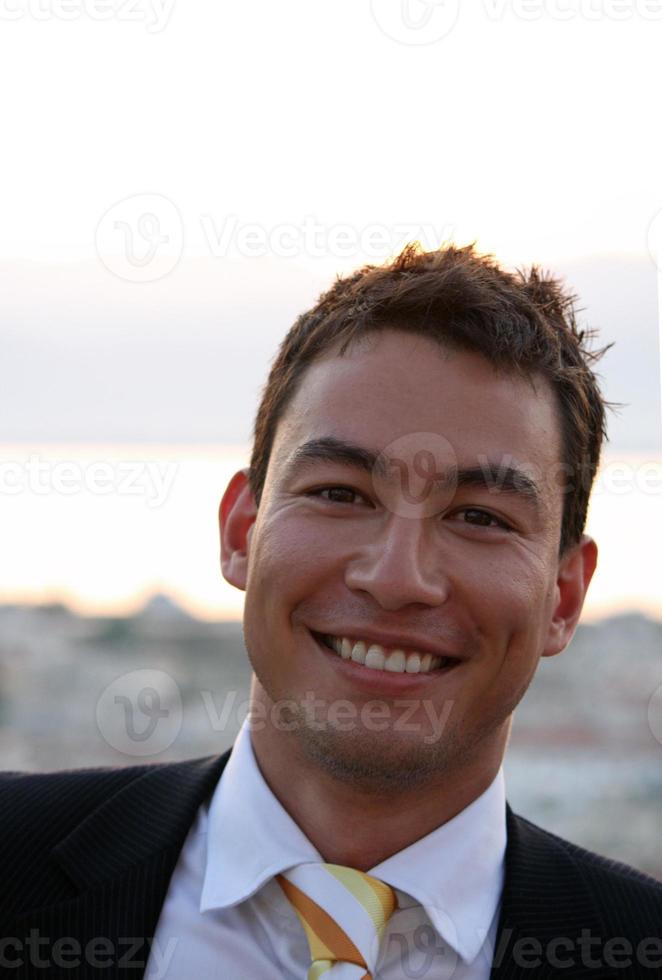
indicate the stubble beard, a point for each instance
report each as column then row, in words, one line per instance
column 384, row 763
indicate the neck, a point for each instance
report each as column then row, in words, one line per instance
column 361, row 826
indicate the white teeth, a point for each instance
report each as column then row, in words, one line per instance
column 375, row 657
column 359, row 652
column 396, row 662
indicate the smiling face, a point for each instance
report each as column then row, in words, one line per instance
column 412, row 502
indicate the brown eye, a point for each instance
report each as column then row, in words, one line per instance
column 339, row 495
column 482, row 518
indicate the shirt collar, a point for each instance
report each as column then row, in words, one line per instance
column 455, row 872
column 251, row 837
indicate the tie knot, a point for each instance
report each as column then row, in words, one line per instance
column 343, row 912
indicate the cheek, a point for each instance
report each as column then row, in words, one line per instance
column 510, row 603
column 290, row 554
column 505, row 586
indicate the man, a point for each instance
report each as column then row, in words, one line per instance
column 410, row 539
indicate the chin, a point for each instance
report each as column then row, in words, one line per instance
column 378, row 761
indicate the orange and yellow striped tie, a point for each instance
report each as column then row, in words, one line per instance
column 344, row 913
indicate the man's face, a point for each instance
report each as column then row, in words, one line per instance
column 419, row 552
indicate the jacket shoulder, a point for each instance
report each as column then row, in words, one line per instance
column 64, row 831
column 41, row 807
column 623, row 893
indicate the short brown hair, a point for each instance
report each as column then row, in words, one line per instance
column 523, row 321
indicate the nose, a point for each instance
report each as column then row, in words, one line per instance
column 400, row 566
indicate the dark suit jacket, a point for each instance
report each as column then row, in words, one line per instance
column 86, row 857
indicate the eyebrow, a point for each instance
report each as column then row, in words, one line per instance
column 487, row 475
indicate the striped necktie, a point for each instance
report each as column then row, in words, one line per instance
column 343, row 913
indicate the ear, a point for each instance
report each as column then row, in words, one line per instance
column 236, row 517
column 573, row 578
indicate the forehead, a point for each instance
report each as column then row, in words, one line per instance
column 393, row 384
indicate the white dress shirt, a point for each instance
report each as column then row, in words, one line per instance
column 225, row 916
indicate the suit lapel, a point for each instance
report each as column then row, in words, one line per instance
column 151, row 813
column 546, row 908
column 120, row 860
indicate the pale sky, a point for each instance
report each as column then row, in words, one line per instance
column 539, row 137
column 258, row 149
